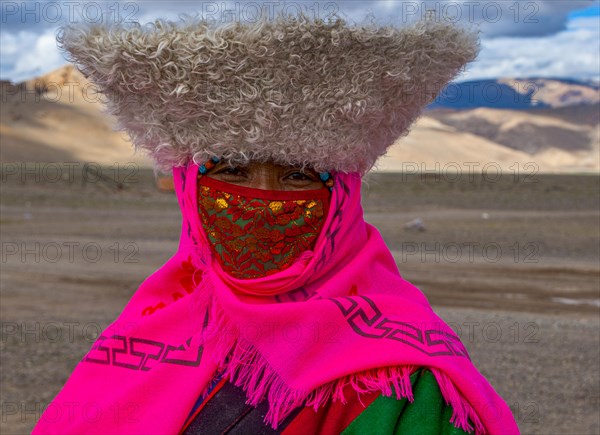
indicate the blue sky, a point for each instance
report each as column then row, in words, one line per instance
column 541, row 38
column 592, row 11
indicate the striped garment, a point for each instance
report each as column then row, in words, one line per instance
column 224, row 411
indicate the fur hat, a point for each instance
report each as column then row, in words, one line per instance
column 293, row 90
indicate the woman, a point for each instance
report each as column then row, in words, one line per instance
column 282, row 311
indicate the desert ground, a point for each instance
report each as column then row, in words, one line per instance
column 512, row 264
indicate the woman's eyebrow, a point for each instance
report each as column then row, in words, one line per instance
column 228, row 165
column 299, row 169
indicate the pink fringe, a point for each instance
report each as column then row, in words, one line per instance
column 462, row 411
column 247, row 368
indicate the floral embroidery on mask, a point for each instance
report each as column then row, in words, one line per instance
column 253, row 236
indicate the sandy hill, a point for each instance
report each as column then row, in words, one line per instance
column 555, row 92
column 556, row 139
column 57, row 117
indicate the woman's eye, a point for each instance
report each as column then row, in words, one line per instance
column 230, row 171
column 300, row 176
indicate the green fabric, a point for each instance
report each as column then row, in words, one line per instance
column 427, row 414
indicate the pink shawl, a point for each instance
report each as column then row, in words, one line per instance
column 340, row 314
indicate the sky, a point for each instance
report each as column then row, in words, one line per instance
column 541, row 38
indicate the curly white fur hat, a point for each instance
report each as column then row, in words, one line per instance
column 293, row 90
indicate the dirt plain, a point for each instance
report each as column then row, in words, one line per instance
column 512, row 264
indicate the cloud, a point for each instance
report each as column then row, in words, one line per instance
column 496, row 18
column 530, row 19
column 27, row 54
column 542, row 38
column 572, row 53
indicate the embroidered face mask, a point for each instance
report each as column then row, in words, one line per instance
column 257, row 232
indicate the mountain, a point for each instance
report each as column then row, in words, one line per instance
column 544, row 141
column 56, row 118
column 517, row 94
